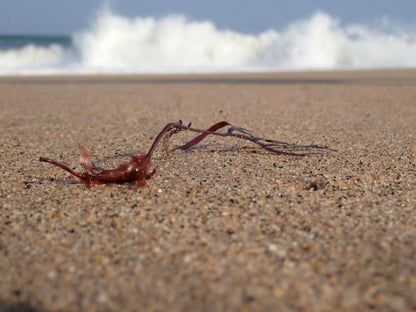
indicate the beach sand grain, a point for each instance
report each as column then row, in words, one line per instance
column 225, row 225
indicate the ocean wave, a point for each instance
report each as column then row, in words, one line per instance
column 117, row 44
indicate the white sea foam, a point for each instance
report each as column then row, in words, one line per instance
column 117, row 44
column 30, row 57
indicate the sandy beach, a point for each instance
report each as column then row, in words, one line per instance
column 225, row 226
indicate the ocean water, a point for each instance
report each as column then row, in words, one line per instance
column 117, row 44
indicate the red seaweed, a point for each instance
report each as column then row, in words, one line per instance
column 138, row 169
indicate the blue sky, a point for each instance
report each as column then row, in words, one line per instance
column 248, row 16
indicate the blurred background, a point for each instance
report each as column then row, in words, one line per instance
column 42, row 37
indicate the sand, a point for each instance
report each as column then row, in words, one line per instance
column 225, row 226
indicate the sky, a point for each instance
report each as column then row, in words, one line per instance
column 248, row 16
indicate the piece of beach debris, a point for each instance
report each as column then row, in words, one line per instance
column 138, row 169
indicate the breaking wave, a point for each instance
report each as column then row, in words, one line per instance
column 117, row 44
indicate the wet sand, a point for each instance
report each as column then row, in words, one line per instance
column 225, row 226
